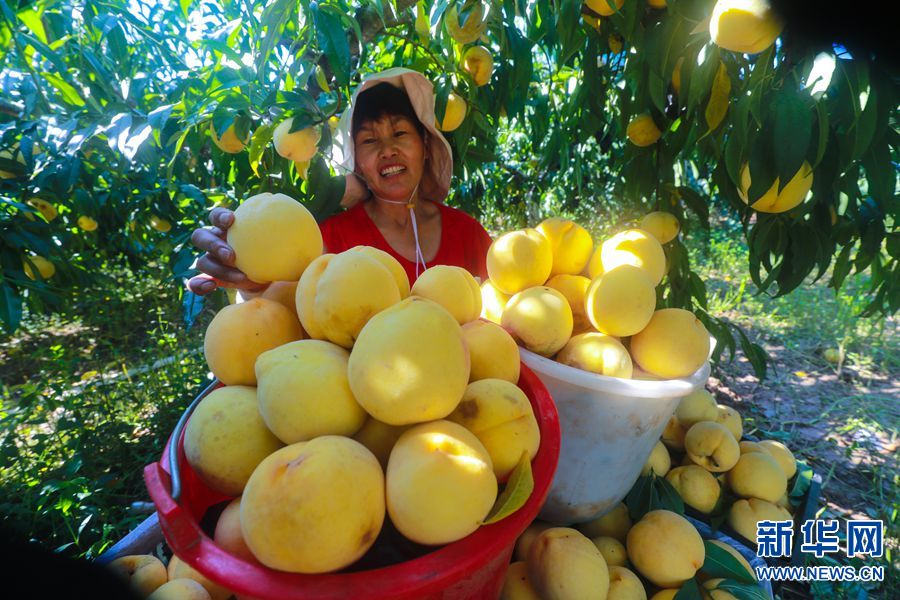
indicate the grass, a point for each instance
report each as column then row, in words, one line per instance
column 86, row 400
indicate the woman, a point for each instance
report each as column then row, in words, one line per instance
column 400, row 169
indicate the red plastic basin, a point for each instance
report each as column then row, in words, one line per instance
column 473, row 567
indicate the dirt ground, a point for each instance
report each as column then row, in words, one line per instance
column 841, row 419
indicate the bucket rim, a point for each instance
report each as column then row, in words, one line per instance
column 637, row 388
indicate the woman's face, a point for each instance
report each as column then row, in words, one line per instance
column 390, row 155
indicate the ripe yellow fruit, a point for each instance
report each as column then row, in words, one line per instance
column 782, row 455
column 519, row 260
column 178, row 569
column 327, row 492
column 563, row 563
column 303, row 391
column 45, row 268
column 665, row 548
column 592, row 21
column 711, row 446
column 501, row 417
column 471, row 30
column 613, row 550
column 731, row 419
column 160, row 224
column 8, row 155
column 454, row 113
column 229, row 142
column 657, row 3
column 597, row 353
column 226, row 438
column 479, row 63
column 757, row 475
column 574, row 288
column 45, row 208
column 665, row 594
column 239, row 333
column 87, row 223
column 539, row 319
column 570, row 243
column 710, row 591
column 673, row 435
column 517, row 585
column 748, row 446
column 284, row 293
column 673, row 344
column 621, row 302
column 659, row 461
column 696, row 486
column 661, row 225
column 379, row 438
column 745, row 26
column 615, row 43
column 305, row 296
column 676, row 75
column 228, row 535
column 493, row 301
column 523, row 544
column 299, row 146
column 274, row 238
column 440, row 483
column 452, row 287
column 773, row 201
column 615, row 523
column 642, row 131
column 392, row 264
column 634, row 247
column 624, row 585
column 745, row 514
column 493, row 353
column 697, row 406
column 737, row 556
column 143, row 572
column 180, row 589
column 409, row 364
column 604, row 8
column 339, row 293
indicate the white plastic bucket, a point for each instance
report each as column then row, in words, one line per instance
column 609, row 427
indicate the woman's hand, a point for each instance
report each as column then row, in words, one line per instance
column 217, row 264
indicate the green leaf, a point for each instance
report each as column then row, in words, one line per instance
column 755, row 354
column 333, row 40
column 697, row 203
column 31, row 17
column 793, row 130
column 802, row 480
column 272, row 23
column 719, row 563
column 822, row 119
column 69, row 93
column 743, row 591
column 518, row 490
column 640, row 498
column 667, row 496
column 10, row 306
column 689, row 590
column 261, row 138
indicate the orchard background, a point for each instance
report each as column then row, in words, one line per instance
column 107, row 165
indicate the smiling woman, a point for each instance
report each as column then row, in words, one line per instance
column 400, row 167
